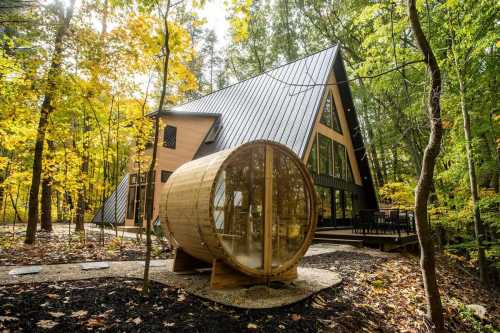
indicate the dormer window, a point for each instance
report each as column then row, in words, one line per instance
column 214, row 131
column 169, row 137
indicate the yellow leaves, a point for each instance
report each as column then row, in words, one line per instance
column 399, row 193
column 239, row 19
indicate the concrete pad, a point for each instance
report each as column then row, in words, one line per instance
column 309, row 282
column 25, row 270
column 155, row 263
column 324, row 248
column 87, row 266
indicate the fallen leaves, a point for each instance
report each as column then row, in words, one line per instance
column 47, row 324
column 136, row 321
column 58, row 247
column 56, row 314
column 79, row 314
column 8, row 318
column 252, row 326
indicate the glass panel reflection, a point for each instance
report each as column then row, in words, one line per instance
column 238, row 207
column 290, row 209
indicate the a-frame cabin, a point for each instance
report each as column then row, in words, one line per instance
column 305, row 105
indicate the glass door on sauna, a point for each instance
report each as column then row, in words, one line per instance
column 261, row 208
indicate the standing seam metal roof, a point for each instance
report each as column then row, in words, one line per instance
column 268, row 106
column 119, row 196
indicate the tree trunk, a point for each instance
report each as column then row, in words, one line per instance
column 149, row 186
column 478, row 224
column 81, row 201
column 427, row 258
column 46, row 205
column 373, row 152
column 46, row 200
column 46, row 110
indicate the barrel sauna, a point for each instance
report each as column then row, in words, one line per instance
column 247, row 212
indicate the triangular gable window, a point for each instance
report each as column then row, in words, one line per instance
column 329, row 116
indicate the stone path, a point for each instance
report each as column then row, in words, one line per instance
column 309, row 281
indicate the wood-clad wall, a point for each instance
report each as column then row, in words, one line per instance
column 191, row 131
column 344, row 138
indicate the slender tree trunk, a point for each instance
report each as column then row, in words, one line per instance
column 46, row 200
column 46, row 205
column 149, row 186
column 46, row 110
column 423, row 189
column 373, row 152
column 478, row 224
column 59, row 212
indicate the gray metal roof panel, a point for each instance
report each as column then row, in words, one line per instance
column 120, row 197
column 269, row 105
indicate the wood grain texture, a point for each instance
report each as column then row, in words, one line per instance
column 344, row 138
column 187, row 210
column 191, row 131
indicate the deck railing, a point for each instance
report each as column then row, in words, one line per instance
column 383, row 221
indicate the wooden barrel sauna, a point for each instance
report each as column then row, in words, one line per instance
column 250, row 210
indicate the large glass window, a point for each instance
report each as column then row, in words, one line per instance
column 325, row 155
column 324, row 195
column 340, row 160
column 339, row 206
column 335, row 118
column 130, row 202
column 290, row 209
column 312, row 161
column 238, row 207
column 326, row 115
column 349, row 175
column 329, row 115
column 348, row 205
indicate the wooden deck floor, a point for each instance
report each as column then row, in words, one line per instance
column 386, row 241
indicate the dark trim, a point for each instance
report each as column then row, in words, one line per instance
column 336, row 183
column 181, row 114
column 318, row 109
column 370, row 197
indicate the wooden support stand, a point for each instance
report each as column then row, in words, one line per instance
column 184, row 262
column 225, row 277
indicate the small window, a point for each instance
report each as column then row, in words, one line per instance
column 165, row 175
column 169, row 137
column 133, row 179
column 214, row 131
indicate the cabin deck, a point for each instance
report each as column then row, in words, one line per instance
column 385, row 241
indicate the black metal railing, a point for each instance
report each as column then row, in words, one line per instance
column 384, row 221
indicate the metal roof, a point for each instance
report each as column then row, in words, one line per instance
column 270, row 106
column 119, row 196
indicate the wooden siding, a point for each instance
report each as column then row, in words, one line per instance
column 191, row 132
column 344, row 138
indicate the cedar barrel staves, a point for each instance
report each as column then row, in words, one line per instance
column 250, row 212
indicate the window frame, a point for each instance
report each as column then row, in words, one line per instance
column 330, row 157
column 169, row 143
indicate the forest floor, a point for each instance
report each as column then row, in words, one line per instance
column 61, row 247
column 378, row 294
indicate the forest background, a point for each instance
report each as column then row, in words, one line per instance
column 99, row 64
